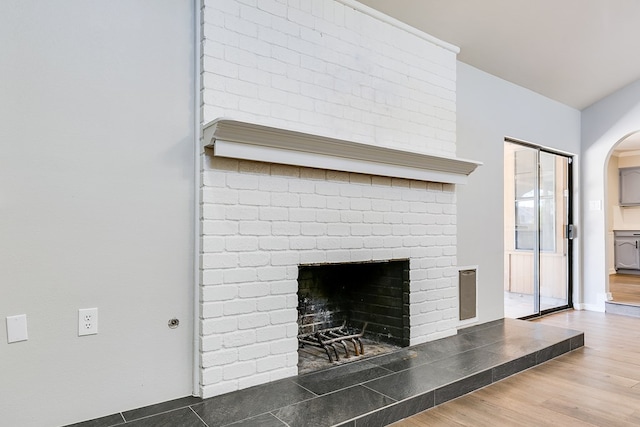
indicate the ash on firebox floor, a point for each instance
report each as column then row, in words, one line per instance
column 311, row 359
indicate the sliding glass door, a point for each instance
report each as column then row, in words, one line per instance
column 537, row 212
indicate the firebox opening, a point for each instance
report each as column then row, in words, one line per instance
column 350, row 310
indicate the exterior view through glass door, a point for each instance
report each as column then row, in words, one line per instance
column 537, row 213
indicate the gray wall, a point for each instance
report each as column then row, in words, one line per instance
column 490, row 109
column 604, row 124
column 96, row 205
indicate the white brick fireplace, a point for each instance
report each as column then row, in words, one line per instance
column 284, row 184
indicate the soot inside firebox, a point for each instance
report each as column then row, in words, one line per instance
column 351, row 310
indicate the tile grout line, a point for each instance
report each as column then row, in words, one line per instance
column 200, row 418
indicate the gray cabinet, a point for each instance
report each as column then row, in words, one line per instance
column 629, row 186
column 627, row 251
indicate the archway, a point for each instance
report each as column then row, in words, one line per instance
column 622, row 220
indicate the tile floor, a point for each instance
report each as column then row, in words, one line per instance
column 370, row 392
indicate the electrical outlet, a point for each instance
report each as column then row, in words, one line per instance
column 87, row 321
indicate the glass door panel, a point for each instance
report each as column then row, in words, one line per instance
column 520, row 241
column 536, row 212
column 554, row 203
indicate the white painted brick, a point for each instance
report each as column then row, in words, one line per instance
column 284, row 316
column 284, row 346
column 211, row 309
column 302, row 215
column 351, row 216
column 313, row 201
column 273, row 7
column 210, row 277
column 339, row 256
column 301, row 243
column 274, row 184
column 271, row 363
column 219, row 228
column 239, row 307
column 253, row 259
column 313, row 257
column 339, row 203
column 219, row 293
column 373, row 217
column 219, row 358
column 253, row 380
column 241, row 244
column 239, row 275
column 361, row 229
column 211, row 375
column 284, row 287
column 253, row 321
column 329, row 243
column 313, row 229
column 328, row 216
column 352, row 243
column 285, row 200
column 285, row 55
column 239, row 339
column 243, row 182
column 400, row 253
column 241, row 369
column 381, row 230
column 235, row 213
column 218, row 388
column 274, row 243
column 253, row 290
column 218, row 67
column 255, row 351
column 323, row 68
column 212, row 244
column 273, row 214
column 254, row 228
column 271, row 333
column 285, row 258
column 272, row 303
column 254, row 198
column 269, row 274
column 219, row 326
column 292, row 302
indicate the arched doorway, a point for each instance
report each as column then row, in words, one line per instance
column 622, row 222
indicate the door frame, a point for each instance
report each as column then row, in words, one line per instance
column 569, row 233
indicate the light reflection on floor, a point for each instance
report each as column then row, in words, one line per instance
column 518, row 305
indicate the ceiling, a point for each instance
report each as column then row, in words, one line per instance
column 573, row 51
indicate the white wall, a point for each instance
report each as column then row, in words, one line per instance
column 96, row 205
column 604, row 124
column 490, row 109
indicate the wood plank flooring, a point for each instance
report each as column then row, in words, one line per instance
column 597, row 385
column 625, row 288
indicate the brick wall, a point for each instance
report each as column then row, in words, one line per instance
column 324, row 68
column 318, row 67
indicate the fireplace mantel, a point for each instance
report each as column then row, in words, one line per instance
column 248, row 141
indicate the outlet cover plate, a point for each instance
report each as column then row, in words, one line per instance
column 87, row 321
column 17, row 328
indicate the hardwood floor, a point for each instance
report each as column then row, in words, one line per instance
column 625, row 288
column 597, row 385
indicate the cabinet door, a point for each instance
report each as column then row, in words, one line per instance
column 627, row 253
column 629, row 186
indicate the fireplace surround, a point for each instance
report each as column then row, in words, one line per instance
column 264, row 217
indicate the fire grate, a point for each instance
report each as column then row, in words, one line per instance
column 328, row 339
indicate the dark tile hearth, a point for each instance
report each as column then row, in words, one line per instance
column 371, row 392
